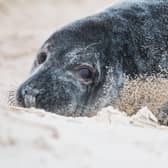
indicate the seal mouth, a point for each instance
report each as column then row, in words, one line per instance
column 29, row 101
column 24, row 96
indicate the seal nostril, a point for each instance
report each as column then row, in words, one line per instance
column 42, row 57
column 25, row 92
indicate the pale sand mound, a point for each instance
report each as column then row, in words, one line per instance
column 33, row 138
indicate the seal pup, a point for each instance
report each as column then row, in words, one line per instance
column 81, row 67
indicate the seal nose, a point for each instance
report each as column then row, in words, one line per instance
column 26, row 96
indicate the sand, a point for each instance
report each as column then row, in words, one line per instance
column 34, row 138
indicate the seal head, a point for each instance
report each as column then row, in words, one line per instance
column 81, row 67
column 72, row 72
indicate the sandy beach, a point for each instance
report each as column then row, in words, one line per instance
column 34, row 138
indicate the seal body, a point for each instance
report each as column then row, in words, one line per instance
column 81, row 67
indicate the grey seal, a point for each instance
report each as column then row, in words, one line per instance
column 81, row 67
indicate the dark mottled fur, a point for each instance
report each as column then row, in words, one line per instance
column 128, row 38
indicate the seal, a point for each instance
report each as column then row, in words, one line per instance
column 81, row 67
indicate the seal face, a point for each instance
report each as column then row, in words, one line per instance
column 81, row 67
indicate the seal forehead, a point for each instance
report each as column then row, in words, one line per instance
column 81, row 54
column 71, row 55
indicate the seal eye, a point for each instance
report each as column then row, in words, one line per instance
column 86, row 73
column 42, row 57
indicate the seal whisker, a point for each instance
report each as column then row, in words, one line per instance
column 91, row 45
column 12, row 97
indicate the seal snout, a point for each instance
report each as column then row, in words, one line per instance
column 27, row 96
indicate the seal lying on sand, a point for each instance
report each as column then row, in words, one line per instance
column 81, row 67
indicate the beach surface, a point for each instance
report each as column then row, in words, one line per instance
column 35, row 138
